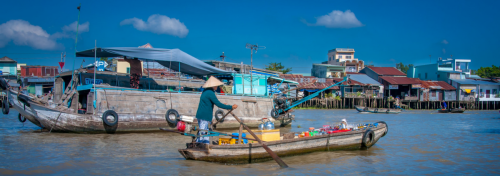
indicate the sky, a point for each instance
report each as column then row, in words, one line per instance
column 295, row 33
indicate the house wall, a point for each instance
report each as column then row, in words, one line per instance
column 371, row 74
column 431, row 95
column 319, row 71
column 121, row 66
column 8, row 68
column 420, row 72
column 242, row 84
column 450, row 95
column 491, row 95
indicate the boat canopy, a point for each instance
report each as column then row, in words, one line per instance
column 174, row 59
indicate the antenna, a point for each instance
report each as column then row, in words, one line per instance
column 222, row 57
column 252, row 47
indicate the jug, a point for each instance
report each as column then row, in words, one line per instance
column 269, row 125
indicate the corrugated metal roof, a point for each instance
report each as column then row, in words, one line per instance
column 305, row 80
column 6, row 59
column 387, row 71
column 474, row 82
column 362, row 78
column 400, row 80
column 437, row 85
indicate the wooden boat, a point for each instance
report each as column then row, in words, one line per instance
column 377, row 110
column 454, row 110
column 249, row 153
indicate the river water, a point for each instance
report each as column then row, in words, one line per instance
column 418, row 142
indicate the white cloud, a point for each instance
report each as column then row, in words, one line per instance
column 445, row 42
column 23, row 33
column 159, row 24
column 338, row 19
column 444, row 51
column 69, row 31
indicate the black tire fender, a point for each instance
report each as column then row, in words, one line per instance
column 168, row 116
column 110, row 113
column 219, row 114
column 274, row 113
column 21, row 118
column 368, row 138
column 366, row 109
column 386, row 127
column 387, row 111
column 376, row 110
column 5, row 106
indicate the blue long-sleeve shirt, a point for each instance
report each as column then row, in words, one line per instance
column 206, row 106
column 444, row 105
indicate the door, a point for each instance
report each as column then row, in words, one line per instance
column 38, row 90
column 487, row 93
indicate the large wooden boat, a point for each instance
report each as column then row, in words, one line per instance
column 454, row 110
column 377, row 110
column 249, row 153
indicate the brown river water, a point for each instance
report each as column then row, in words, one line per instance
column 418, row 142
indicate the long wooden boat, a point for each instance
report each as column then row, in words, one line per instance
column 249, row 153
column 377, row 110
column 136, row 111
column 454, row 110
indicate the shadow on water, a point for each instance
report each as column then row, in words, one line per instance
column 492, row 131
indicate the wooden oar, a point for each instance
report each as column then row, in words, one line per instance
column 273, row 155
column 221, row 119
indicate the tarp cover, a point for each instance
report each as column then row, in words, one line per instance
column 169, row 58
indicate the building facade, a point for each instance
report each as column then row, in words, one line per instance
column 328, row 71
column 443, row 70
column 8, row 66
column 472, row 90
column 122, row 66
column 345, row 57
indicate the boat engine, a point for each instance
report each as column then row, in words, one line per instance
column 185, row 124
column 280, row 104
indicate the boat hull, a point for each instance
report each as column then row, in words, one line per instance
column 454, row 110
column 26, row 111
column 378, row 110
column 140, row 111
column 249, row 153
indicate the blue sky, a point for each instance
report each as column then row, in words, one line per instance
column 296, row 33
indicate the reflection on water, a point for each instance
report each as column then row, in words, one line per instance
column 418, row 142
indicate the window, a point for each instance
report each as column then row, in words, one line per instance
column 128, row 70
column 433, row 92
column 439, row 75
column 347, row 57
column 340, row 57
column 425, row 75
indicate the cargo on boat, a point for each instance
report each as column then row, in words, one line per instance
column 377, row 110
column 289, row 146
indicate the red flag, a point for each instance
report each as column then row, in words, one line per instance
column 61, row 64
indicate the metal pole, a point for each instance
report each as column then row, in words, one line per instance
column 251, row 69
column 95, row 71
column 76, row 39
column 179, row 77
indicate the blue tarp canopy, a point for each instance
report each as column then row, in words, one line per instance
column 170, row 58
column 314, row 90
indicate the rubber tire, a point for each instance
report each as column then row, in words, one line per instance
column 387, row 111
column 386, row 126
column 364, row 141
column 217, row 113
column 24, row 99
column 106, row 114
column 21, row 118
column 3, row 84
column 376, row 110
column 366, row 109
column 172, row 123
column 274, row 113
column 5, row 106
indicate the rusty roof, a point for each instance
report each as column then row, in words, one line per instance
column 400, row 80
column 387, row 71
column 437, row 85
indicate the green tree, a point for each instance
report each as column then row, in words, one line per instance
column 487, row 72
column 403, row 68
column 104, row 59
column 275, row 66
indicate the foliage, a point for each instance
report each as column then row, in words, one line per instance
column 337, row 98
column 487, row 72
column 276, row 66
column 358, row 94
column 403, row 68
column 370, row 64
column 103, row 59
column 329, row 95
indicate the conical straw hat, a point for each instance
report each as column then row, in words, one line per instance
column 212, row 82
